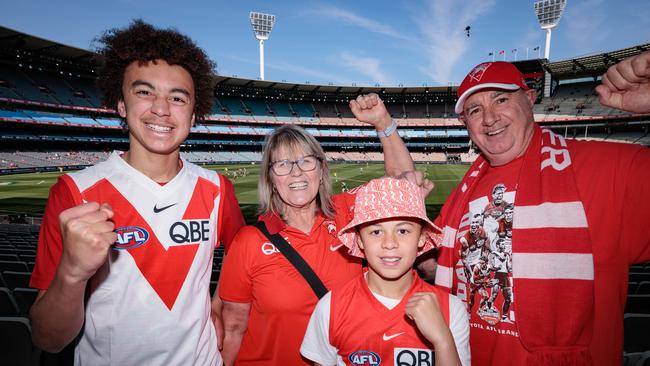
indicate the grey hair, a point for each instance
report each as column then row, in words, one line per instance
column 291, row 137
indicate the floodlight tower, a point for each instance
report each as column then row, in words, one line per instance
column 548, row 13
column 262, row 26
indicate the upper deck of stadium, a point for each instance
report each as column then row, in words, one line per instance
column 49, row 102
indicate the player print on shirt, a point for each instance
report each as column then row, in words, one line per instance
column 486, row 255
column 473, row 245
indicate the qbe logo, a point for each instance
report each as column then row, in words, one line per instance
column 365, row 358
column 130, row 237
column 190, row 231
column 413, row 357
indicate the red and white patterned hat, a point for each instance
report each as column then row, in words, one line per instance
column 385, row 198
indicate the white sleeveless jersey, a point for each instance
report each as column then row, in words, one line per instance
column 150, row 302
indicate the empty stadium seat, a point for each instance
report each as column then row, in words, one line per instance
column 215, row 275
column 9, row 257
column 15, row 342
column 17, row 266
column 213, row 287
column 638, row 304
column 633, row 358
column 636, row 332
column 15, row 279
column 8, row 305
column 25, row 298
column 643, row 288
column 631, row 287
column 639, row 276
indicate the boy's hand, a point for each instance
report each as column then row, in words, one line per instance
column 424, row 310
column 87, row 232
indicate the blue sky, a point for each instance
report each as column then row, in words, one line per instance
column 386, row 42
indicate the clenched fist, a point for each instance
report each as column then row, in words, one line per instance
column 87, row 233
column 369, row 108
column 626, row 85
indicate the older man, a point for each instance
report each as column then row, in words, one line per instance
column 580, row 218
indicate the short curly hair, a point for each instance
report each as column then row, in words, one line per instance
column 143, row 43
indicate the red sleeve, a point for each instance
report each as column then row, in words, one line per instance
column 230, row 216
column 235, row 283
column 635, row 232
column 344, row 208
column 50, row 246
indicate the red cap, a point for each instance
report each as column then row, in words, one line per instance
column 493, row 75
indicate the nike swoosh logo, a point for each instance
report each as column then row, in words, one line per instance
column 334, row 249
column 159, row 210
column 389, row 337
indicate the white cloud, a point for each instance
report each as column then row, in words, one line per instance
column 368, row 66
column 320, row 76
column 531, row 38
column 585, row 21
column 349, row 17
column 291, row 69
column 442, row 23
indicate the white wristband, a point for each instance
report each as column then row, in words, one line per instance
column 389, row 130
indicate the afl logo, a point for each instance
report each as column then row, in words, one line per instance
column 365, row 358
column 130, row 237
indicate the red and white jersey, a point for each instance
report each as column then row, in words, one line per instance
column 149, row 304
column 353, row 326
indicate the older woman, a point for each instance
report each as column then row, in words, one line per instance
column 266, row 301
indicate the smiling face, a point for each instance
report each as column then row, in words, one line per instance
column 500, row 123
column 390, row 246
column 158, row 103
column 298, row 189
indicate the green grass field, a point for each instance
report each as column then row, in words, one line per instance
column 27, row 193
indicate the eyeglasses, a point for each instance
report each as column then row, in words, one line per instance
column 285, row 167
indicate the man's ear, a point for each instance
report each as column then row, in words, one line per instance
column 531, row 94
column 193, row 120
column 121, row 108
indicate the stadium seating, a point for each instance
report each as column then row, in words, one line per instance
column 8, row 305
column 636, row 332
column 638, row 303
column 15, row 342
column 643, row 288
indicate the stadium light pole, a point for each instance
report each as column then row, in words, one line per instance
column 262, row 26
column 548, row 14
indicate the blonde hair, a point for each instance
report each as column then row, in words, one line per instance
column 291, row 137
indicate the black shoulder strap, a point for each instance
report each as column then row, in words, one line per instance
column 292, row 255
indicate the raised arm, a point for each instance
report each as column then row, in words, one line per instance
column 58, row 312
column 369, row 108
column 626, row 85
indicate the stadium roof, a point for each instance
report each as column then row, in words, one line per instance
column 330, row 88
column 46, row 51
column 592, row 65
column 39, row 50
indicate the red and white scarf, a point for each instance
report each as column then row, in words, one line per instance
column 552, row 262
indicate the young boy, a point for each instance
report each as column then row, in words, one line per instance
column 125, row 249
column 388, row 315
